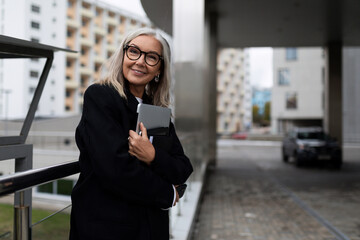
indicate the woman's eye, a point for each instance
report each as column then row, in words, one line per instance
column 134, row 51
column 152, row 57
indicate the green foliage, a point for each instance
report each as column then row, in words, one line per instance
column 255, row 114
column 267, row 111
column 6, row 220
column 55, row 228
column 262, row 120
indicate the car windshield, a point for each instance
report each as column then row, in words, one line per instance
column 312, row 135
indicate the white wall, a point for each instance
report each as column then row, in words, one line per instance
column 306, row 81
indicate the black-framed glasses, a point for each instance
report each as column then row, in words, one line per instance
column 134, row 53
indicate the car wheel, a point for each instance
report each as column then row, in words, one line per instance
column 298, row 161
column 285, row 157
column 337, row 164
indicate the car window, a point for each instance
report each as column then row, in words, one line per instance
column 311, row 135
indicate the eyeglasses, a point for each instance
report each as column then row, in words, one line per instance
column 134, row 53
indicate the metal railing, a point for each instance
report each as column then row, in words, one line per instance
column 19, row 182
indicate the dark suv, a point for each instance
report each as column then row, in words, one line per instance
column 308, row 144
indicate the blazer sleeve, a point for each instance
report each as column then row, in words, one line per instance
column 172, row 164
column 105, row 142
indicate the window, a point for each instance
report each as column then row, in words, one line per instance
column 291, row 53
column 284, row 78
column 68, row 63
column 34, row 74
column 35, row 8
column 291, row 100
column 109, row 30
column 68, row 93
column 35, row 40
column 31, row 90
column 35, row 25
column 69, row 33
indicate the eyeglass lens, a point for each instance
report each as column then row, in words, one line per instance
column 134, row 53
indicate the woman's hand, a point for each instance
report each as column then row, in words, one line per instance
column 140, row 145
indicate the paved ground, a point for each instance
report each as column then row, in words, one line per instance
column 251, row 194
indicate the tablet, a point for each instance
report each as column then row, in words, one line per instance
column 156, row 119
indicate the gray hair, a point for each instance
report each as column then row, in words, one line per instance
column 159, row 92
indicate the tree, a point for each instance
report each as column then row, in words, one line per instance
column 266, row 117
column 255, row 114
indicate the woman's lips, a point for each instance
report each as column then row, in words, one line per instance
column 138, row 72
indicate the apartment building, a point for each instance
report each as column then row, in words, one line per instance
column 233, row 91
column 91, row 27
column 298, row 89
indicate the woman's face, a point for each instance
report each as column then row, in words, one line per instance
column 138, row 72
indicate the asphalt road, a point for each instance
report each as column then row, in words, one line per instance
column 281, row 200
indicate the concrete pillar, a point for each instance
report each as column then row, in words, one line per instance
column 211, row 49
column 334, row 114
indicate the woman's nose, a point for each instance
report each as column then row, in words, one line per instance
column 141, row 59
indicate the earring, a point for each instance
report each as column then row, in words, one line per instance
column 157, row 78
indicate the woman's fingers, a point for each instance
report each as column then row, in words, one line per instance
column 143, row 130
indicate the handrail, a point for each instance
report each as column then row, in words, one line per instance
column 27, row 179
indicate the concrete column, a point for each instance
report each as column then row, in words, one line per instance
column 211, row 50
column 334, row 114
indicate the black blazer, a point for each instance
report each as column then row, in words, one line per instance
column 117, row 196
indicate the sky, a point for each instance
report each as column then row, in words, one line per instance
column 131, row 6
column 261, row 72
column 260, row 58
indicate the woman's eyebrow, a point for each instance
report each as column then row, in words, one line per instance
column 134, row 45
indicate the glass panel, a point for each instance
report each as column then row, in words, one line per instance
column 291, row 54
column 64, row 187
column 56, row 227
column 284, row 76
column 291, row 100
column 46, row 188
column 6, row 220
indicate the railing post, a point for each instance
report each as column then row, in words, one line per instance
column 21, row 220
column 23, row 199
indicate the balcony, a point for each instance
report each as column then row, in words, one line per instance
column 72, row 23
column 99, row 31
column 220, row 109
column 86, row 42
column 71, row 84
column 72, row 55
column 220, row 89
column 99, row 59
column 86, row 71
column 111, row 48
column 87, row 13
column 112, row 21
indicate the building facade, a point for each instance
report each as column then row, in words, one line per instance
column 233, row 91
column 298, row 88
column 92, row 28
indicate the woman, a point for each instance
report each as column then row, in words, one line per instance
column 126, row 182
